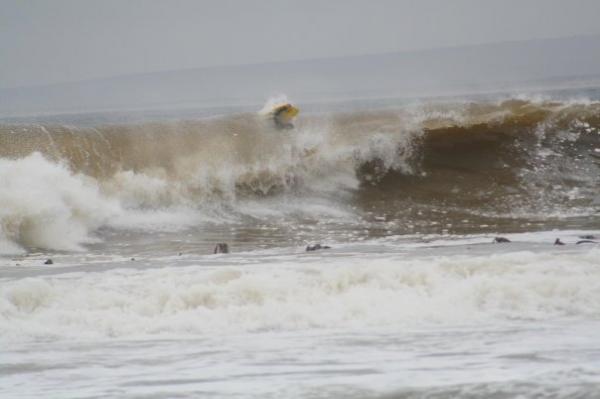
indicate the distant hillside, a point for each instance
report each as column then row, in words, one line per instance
column 429, row 72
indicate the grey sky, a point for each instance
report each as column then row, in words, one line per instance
column 53, row 41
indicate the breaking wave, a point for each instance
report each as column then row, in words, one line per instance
column 374, row 291
column 59, row 183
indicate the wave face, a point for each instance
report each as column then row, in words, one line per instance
column 460, row 164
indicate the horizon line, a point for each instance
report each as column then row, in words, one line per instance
column 296, row 60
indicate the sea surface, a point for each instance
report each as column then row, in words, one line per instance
column 413, row 299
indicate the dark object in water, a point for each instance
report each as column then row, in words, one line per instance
column 558, row 242
column 221, row 248
column 500, row 240
column 283, row 126
column 586, row 242
column 588, row 237
column 283, row 116
column 49, row 262
column 316, row 247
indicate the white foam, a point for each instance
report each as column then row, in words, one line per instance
column 304, row 293
column 45, row 205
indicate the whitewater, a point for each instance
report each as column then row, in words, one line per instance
column 413, row 299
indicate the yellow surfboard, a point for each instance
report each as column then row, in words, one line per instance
column 283, row 115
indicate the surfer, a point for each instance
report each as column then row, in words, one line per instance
column 283, row 115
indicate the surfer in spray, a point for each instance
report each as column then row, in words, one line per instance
column 283, row 115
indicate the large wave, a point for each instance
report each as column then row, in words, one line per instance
column 61, row 182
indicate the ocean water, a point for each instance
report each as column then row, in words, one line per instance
column 412, row 300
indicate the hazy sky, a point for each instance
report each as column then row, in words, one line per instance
column 44, row 41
